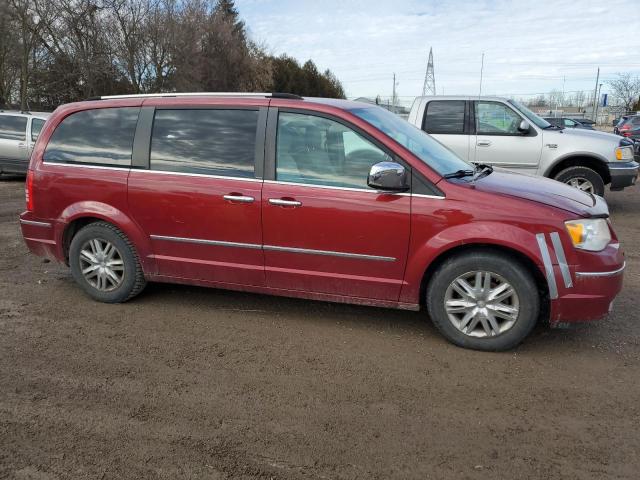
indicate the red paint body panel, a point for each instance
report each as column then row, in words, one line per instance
column 503, row 209
column 182, row 206
column 346, row 221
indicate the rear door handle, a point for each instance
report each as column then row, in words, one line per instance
column 284, row 203
column 484, row 143
column 238, row 198
column 22, row 146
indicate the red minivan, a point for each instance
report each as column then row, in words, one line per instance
column 315, row 198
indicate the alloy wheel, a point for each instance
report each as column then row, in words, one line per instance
column 481, row 304
column 101, row 264
column 581, row 183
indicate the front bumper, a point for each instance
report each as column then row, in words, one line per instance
column 623, row 174
column 590, row 288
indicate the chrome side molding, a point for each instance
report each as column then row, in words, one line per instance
column 602, row 274
column 35, row 224
column 274, row 248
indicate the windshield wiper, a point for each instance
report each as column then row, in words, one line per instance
column 459, row 174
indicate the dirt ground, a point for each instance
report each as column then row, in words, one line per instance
column 188, row 382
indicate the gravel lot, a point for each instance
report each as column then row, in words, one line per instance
column 188, row 382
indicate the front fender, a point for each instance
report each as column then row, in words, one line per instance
column 423, row 254
column 110, row 214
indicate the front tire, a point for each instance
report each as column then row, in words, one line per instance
column 105, row 264
column 582, row 178
column 483, row 301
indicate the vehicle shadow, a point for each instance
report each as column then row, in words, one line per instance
column 542, row 339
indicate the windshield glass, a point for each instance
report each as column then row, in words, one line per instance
column 427, row 149
column 532, row 117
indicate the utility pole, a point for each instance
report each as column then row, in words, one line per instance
column 595, row 115
column 595, row 95
column 393, row 95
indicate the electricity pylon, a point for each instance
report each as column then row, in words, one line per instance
column 429, row 87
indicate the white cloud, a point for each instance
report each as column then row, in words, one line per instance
column 529, row 47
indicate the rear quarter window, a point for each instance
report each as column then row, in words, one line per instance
column 445, row 116
column 13, row 127
column 100, row 137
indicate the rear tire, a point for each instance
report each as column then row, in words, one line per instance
column 583, row 178
column 483, row 301
column 105, row 263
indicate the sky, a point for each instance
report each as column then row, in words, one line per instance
column 529, row 47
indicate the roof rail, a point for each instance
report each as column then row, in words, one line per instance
column 200, row 94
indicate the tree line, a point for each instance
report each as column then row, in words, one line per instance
column 58, row 51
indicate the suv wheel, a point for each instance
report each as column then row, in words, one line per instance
column 582, row 178
column 483, row 301
column 105, row 264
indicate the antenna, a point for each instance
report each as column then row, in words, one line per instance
column 481, row 70
column 429, row 87
column 475, row 156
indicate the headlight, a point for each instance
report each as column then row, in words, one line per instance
column 589, row 234
column 624, row 153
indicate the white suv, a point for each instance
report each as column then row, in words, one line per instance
column 503, row 133
column 18, row 134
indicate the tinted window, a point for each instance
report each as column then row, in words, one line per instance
column 36, row 128
column 102, row 136
column 319, row 151
column 426, row 148
column 214, row 142
column 494, row 118
column 13, row 127
column 445, row 117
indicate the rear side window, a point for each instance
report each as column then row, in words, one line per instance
column 13, row 127
column 445, row 116
column 205, row 141
column 102, row 137
column 36, row 128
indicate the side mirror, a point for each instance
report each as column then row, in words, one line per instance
column 524, row 127
column 389, row 176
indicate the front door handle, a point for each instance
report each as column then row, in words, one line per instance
column 484, row 143
column 232, row 197
column 22, row 146
column 284, row 203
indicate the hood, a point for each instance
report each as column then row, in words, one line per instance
column 543, row 190
column 584, row 133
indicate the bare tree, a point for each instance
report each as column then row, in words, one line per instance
column 9, row 58
column 129, row 28
column 28, row 26
column 626, row 88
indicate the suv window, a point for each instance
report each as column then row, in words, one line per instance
column 36, row 128
column 569, row 123
column 445, row 116
column 102, row 136
column 13, row 127
column 205, row 141
column 493, row 118
column 319, row 151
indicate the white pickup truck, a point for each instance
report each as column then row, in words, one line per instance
column 503, row 133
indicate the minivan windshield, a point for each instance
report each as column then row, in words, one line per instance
column 532, row 117
column 427, row 149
